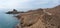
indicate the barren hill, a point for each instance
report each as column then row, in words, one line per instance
column 40, row 18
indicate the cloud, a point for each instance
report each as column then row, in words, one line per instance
column 45, row 3
column 42, row 1
column 13, row 3
column 28, row 3
column 8, row 4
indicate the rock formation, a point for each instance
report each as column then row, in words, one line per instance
column 40, row 18
column 13, row 12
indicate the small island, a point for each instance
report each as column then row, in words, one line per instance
column 13, row 12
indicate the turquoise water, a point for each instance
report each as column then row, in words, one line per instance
column 7, row 20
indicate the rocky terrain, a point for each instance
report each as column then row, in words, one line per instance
column 40, row 18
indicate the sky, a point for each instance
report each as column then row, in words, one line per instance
column 28, row 4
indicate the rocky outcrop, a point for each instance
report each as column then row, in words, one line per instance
column 40, row 18
column 13, row 12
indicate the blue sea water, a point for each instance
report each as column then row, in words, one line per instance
column 7, row 20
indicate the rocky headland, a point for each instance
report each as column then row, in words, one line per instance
column 40, row 18
column 13, row 12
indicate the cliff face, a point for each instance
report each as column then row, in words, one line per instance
column 40, row 18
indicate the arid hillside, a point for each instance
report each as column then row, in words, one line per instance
column 40, row 18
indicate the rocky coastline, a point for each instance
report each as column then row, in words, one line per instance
column 40, row 18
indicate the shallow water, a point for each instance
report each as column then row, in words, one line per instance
column 7, row 20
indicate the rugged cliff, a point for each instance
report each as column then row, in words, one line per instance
column 40, row 18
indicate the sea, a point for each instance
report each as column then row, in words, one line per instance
column 7, row 20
